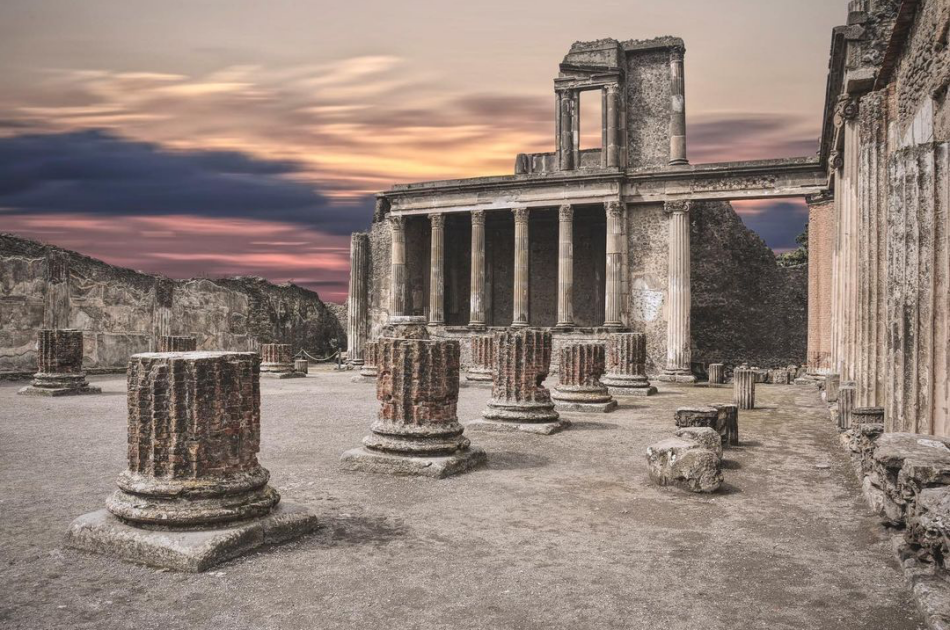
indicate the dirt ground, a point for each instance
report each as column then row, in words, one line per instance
column 562, row 531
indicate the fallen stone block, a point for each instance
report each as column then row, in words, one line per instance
column 727, row 423
column 905, row 464
column 929, row 526
column 706, row 437
column 684, row 464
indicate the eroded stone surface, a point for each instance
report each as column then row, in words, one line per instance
column 685, row 464
column 625, row 363
column 579, row 389
column 59, row 369
column 707, row 437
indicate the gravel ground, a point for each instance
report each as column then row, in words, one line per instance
column 562, row 531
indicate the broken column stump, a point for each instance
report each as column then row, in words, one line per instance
column 59, row 365
column 483, row 357
column 626, row 357
column 684, row 463
column 727, row 424
column 369, row 370
column 832, row 385
column 846, row 394
column 707, row 437
column 302, row 366
column 277, row 361
column 194, row 493
column 866, row 415
column 744, row 386
column 169, row 343
column 580, row 366
column 717, row 373
column 696, row 417
column 417, row 431
column 519, row 401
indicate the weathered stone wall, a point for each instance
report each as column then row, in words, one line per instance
column 648, row 263
column 745, row 307
column 649, row 105
column 122, row 312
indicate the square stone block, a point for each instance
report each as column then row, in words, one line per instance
column 29, row 390
column 631, row 391
column 191, row 551
column 578, row 407
column 438, row 467
column 542, row 428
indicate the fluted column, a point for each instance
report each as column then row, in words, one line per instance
column 357, row 321
column 437, row 271
column 565, row 267
column 678, row 111
column 565, row 130
column 477, row 306
column 614, row 143
column 397, row 305
column 613, row 303
column 522, row 252
column 678, row 298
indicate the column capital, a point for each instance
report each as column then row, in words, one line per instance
column 521, row 214
column 478, row 217
column 396, row 222
column 615, row 209
column 565, row 212
column 678, row 206
column 437, row 219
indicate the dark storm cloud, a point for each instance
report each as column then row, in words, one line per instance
column 731, row 137
column 777, row 223
column 98, row 173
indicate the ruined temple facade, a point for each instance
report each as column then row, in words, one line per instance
column 879, row 248
column 625, row 237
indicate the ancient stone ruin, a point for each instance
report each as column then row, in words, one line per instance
column 170, row 343
column 717, row 373
column 277, row 361
column 194, row 493
column 369, row 368
column 685, row 463
column 626, row 365
column 744, row 385
column 59, row 370
column 483, row 360
column 417, row 431
column 302, row 366
column 579, row 389
column 519, row 401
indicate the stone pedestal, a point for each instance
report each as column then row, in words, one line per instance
column 580, row 366
column 744, row 385
column 177, row 344
column 717, row 373
column 277, row 361
column 626, row 357
column 846, row 394
column 369, row 369
column 302, row 366
column 194, row 493
column 59, row 365
column 483, row 358
column 417, row 431
column 519, row 401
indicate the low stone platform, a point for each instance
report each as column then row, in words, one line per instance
column 579, row 407
column 283, row 375
column 541, row 428
column 191, row 551
column 31, row 390
column 364, row 460
column 631, row 391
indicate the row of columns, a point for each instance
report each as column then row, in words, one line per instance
column 678, row 331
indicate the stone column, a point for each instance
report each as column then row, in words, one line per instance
column 369, row 368
column 398, row 291
column 177, row 344
column 302, row 366
column 277, row 361
column 417, row 431
column 612, row 113
column 579, row 388
column 194, row 432
column 613, row 303
column 821, row 236
column 519, row 400
column 832, row 385
column 437, row 271
column 626, row 365
column 56, row 308
column 477, row 306
column 744, row 385
column 846, row 395
column 678, row 296
column 357, row 312
column 483, row 358
column 565, row 131
column 522, row 254
column 678, row 108
column 717, row 373
column 59, row 365
column 565, row 267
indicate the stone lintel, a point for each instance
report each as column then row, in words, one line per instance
column 191, row 551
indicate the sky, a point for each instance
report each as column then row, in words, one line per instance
column 240, row 137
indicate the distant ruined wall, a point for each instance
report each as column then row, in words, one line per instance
column 122, row 311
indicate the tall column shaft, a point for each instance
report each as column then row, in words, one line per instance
column 565, row 131
column 522, row 252
column 437, row 271
column 613, row 141
column 565, row 267
column 477, row 306
column 357, row 323
column 678, row 334
column 613, row 303
column 678, row 111
column 397, row 306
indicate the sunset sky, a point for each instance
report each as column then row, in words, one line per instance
column 226, row 137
